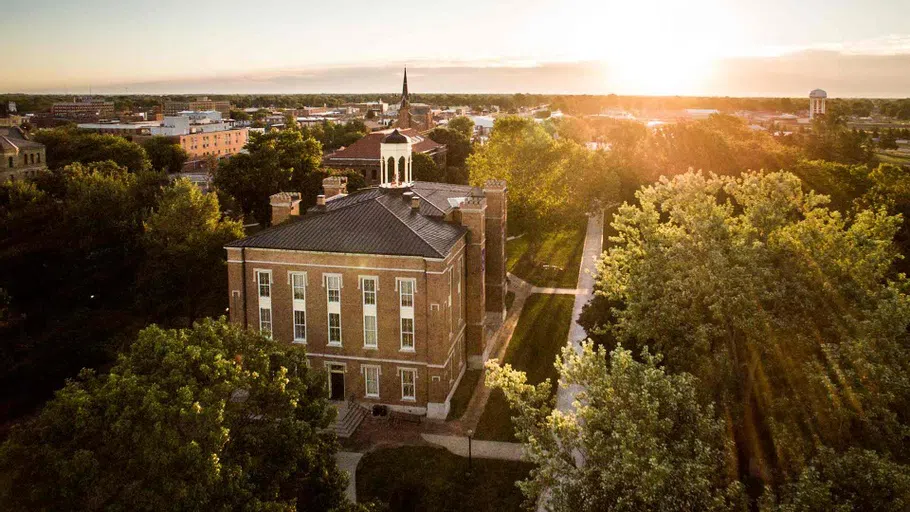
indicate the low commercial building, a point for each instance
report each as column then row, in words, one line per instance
column 21, row 157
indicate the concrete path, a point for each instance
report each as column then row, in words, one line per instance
column 558, row 291
column 480, row 449
column 586, row 273
column 347, row 462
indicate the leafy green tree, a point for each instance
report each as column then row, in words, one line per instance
column 888, row 140
column 165, row 154
column 209, row 418
column 458, row 147
column 535, row 167
column 463, row 125
column 184, row 270
column 639, row 440
column 274, row 162
column 787, row 312
column 425, row 168
column 855, row 480
column 65, row 146
column 72, row 254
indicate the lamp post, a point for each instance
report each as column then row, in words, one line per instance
column 470, row 438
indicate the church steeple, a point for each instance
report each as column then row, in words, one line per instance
column 404, row 89
column 404, row 110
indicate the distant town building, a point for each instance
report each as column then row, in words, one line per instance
column 172, row 108
column 22, row 157
column 127, row 130
column 85, row 109
column 365, row 155
column 391, row 289
column 817, row 100
column 203, row 134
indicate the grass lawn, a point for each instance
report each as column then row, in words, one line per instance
column 412, row 478
column 552, row 260
column 892, row 157
column 464, row 393
column 541, row 333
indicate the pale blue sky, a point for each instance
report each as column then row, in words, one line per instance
column 67, row 45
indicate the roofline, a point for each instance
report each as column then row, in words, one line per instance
column 307, row 251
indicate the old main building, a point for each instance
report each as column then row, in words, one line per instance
column 389, row 288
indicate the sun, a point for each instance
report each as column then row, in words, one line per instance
column 658, row 73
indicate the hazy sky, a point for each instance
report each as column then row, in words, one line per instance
column 726, row 47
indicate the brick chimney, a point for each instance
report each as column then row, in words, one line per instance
column 471, row 215
column 334, row 185
column 495, row 220
column 284, row 204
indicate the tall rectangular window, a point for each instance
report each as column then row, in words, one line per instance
column 408, row 384
column 371, row 381
column 265, row 321
column 406, row 290
column 264, row 284
column 369, row 287
column 298, row 299
column 334, row 328
column 333, row 285
column 407, row 334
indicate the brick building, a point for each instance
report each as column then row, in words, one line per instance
column 389, row 288
column 21, row 157
column 172, row 108
column 365, row 154
column 83, row 110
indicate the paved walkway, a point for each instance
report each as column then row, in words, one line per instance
column 347, row 462
column 480, row 449
column 586, row 273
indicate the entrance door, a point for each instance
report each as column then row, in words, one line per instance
column 336, row 383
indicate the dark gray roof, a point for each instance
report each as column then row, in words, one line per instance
column 396, row 137
column 372, row 221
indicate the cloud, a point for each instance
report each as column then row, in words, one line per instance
column 841, row 72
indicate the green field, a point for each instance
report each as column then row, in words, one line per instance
column 891, row 157
column 418, row 478
column 541, row 333
column 550, row 260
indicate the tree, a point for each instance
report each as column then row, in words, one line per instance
column 184, row 270
column 788, row 313
column 855, row 480
column 65, row 146
column 165, row 154
column 535, row 167
column 70, row 264
column 425, row 169
column 274, row 162
column 637, row 435
column 458, row 147
column 888, row 140
column 463, row 125
column 213, row 417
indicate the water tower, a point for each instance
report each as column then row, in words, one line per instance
column 817, row 103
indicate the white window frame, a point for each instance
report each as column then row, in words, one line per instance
column 406, row 312
column 299, row 304
column 369, row 310
column 265, row 302
column 366, row 369
column 413, row 372
column 333, row 308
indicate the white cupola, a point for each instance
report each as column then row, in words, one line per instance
column 395, row 151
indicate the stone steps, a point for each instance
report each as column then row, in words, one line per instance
column 350, row 415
